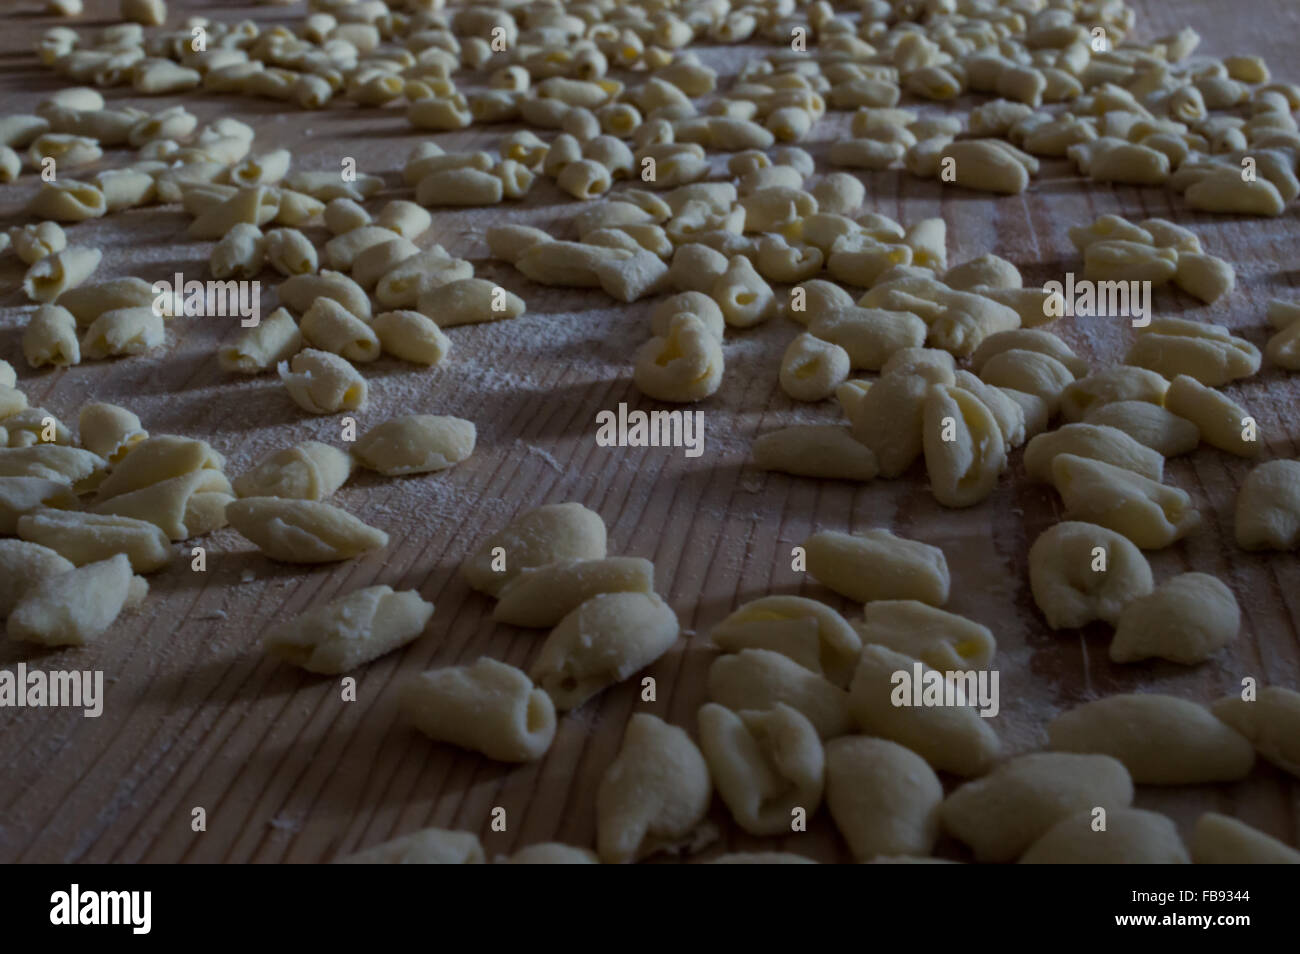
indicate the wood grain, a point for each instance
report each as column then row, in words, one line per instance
column 195, row 715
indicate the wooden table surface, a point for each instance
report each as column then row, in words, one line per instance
column 196, row 716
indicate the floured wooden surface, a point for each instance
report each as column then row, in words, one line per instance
column 196, row 716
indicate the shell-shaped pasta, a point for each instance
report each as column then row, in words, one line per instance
column 351, row 630
column 469, row 301
column 88, row 302
column 300, row 292
column 742, row 294
column 290, row 252
column 430, row 846
column 241, row 253
column 884, row 799
column 1185, row 620
column 36, row 425
column 274, row 339
column 1149, row 424
column 159, row 458
column 811, row 369
column 329, row 326
column 1027, row 339
column 307, row 471
column 984, row 164
column 870, row 336
column 1003, row 813
column 965, row 451
column 1221, row 840
column 760, row 678
column 543, row 596
column 50, row 338
column 1095, row 442
column 323, row 383
column 182, row 507
column 1151, row 514
column 941, row 640
column 693, row 303
column 1271, row 722
column 24, row 565
column 1131, row 836
column 78, row 468
column 653, row 795
column 123, row 332
column 36, row 241
column 551, row 533
column 1120, row 383
column 1209, row 353
column 877, row 565
column 51, row 276
column 1031, row 372
column 405, row 218
column 416, row 444
column 1223, row 423
column 683, row 366
column 1267, row 515
column 23, row 495
column 1080, row 572
column 1162, row 740
column 815, row 450
column 68, row 200
column 75, row 608
column 487, row 707
column 953, row 738
column 765, row 764
column 254, row 205
column 430, row 269
column 302, row 531
column 87, row 538
column 602, row 642
column 811, row 633
column 376, row 261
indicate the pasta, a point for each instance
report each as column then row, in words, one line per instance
column 548, row 534
column 1149, row 424
column 965, row 451
column 469, row 301
column 274, row 339
column 429, row 846
column 1220, row 840
column 876, row 565
column 322, row 383
column 811, row 369
column 416, row 444
column 1080, row 572
column 941, row 640
column 1094, row 442
column 123, row 332
column 815, row 450
column 544, row 595
column 76, row 608
column 683, row 366
column 1162, row 740
column 760, row 679
column 1267, row 515
column 1131, row 836
column 1151, row 514
column 1269, row 721
column 51, row 276
column 884, row 799
column 1185, row 620
column 302, row 531
column 602, row 642
column 1222, row 422
column 25, row 565
column 350, row 631
column 810, row 633
column 307, row 471
column 50, row 338
column 85, row 538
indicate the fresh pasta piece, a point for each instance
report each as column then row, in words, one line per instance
column 240, row 254
column 1267, row 515
column 941, row 640
column 430, row 846
column 469, row 301
column 1222, row 422
column 416, row 444
column 1151, row 514
column 302, row 531
column 602, row 642
column 411, row 336
column 300, row 292
column 158, row 458
column 79, row 469
column 182, row 507
column 1162, row 740
column 766, row 764
column 870, row 336
column 653, row 795
column 76, row 608
column 50, row 338
column 683, row 366
column 323, row 383
column 760, row 678
column 329, row 326
column 23, row 495
column 1186, row 620
column 884, row 799
column 274, row 339
column 1080, row 572
column 1208, row 353
column 68, row 200
column 692, row 303
column 123, row 332
column 876, row 565
column 25, row 565
column 55, row 274
column 290, row 252
column 1006, row 811
column 1031, row 372
column 88, row 538
column 1149, row 424
column 1220, row 840
column 88, row 302
column 811, row 369
column 350, row 631
column 548, row 534
column 31, row 243
column 1095, row 442
column 1131, row 836
column 109, row 431
column 488, row 707
column 965, row 451
column 307, row 471
column 815, row 450
column 951, row 737
column 543, row 596
column 1271, row 722
column 742, row 294
column 809, row 632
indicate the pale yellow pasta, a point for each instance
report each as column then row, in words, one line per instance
column 876, row 565
column 1080, row 572
column 1222, row 422
column 31, row 243
column 342, row 251
column 487, row 707
column 1267, row 515
column 158, row 458
column 988, row 165
column 147, row 12
column 351, row 630
column 416, row 444
column 811, row 369
column 1208, row 353
column 693, row 303
column 964, row 448
column 1271, row 721
column 808, row 632
column 1093, row 441
column 122, row 332
column 189, row 505
column 405, row 218
column 884, row 799
column 1224, row 190
column 329, row 326
column 343, row 215
column 429, row 846
column 544, row 595
column 1120, row 260
column 322, row 383
column 78, row 468
column 255, row 205
column 462, row 186
column 1131, row 836
column 36, row 426
column 548, row 534
column 300, row 292
column 941, row 640
column 290, row 252
column 815, row 450
column 86, row 538
column 1204, row 276
column 51, row 276
column 743, row 296
column 50, row 338
column 1000, row 815
column 761, row 678
column 88, row 302
column 870, row 336
column 402, row 286
column 109, row 431
column 266, row 169
column 1148, row 424
column 1151, row 514
column 1119, row 383
column 683, row 366
column 18, row 130
column 20, row 496
column 1185, row 620
column 11, row 164
column 1221, row 840
column 411, row 336
column 64, row 149
column 469, row 301
column 76, row 608
column 653, row 795
column 25, row 565
column 307, row 471
column 302, row 531
column 274, row 339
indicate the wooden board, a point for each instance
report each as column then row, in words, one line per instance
column 196, row 716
